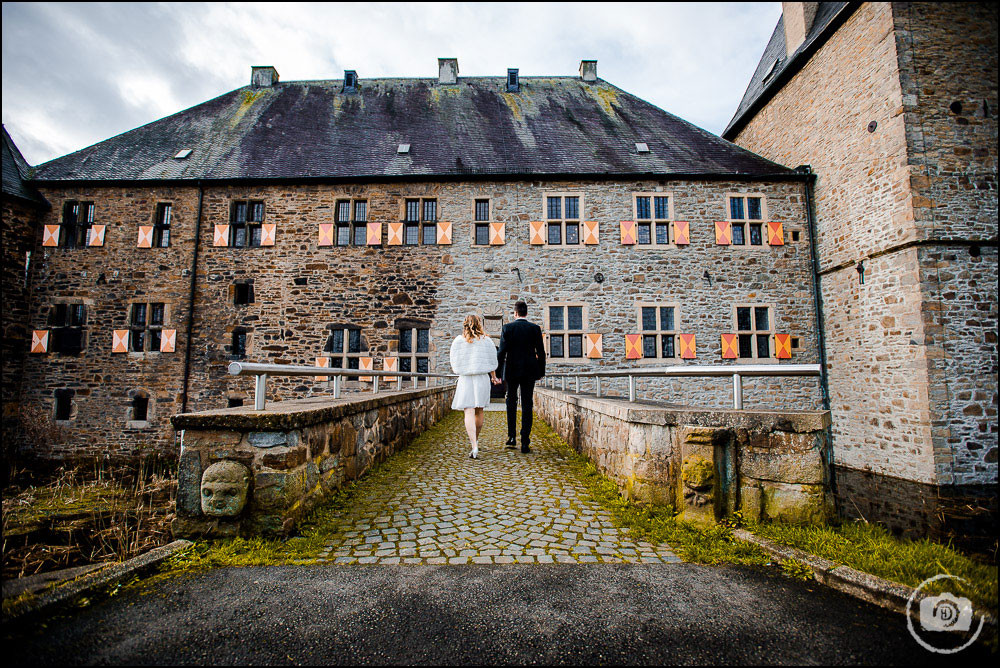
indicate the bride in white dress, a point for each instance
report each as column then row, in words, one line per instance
column 474, row 359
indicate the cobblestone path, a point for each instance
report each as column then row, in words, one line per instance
column 432, row 504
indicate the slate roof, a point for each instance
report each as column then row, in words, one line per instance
column 312, row 129
column 16, row 172
column 764, row 83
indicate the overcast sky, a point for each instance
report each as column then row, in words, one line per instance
column 76, row 74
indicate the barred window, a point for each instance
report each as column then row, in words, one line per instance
column 420, row 222
column 351, row 229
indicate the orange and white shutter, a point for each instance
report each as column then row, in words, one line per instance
column 775, row 234
column 374, row 237
column 365, row 364
column 497, row 234
column 323, row 363
column 537, row 236
column 50, row 235
column 593, row 346
column 591, row 233
column 119, row 341
column 682, row 233
column 783, row 346
column 730, row 346
column 628, row 232
column 40, row 341
column 221, row 235
column 723, row 233
column 168, row 340
column 95, row 235
column 444, row 234
column 686, row 345
column 390, row 364
column 268, row 232
column 395, row 234
column 633, row 346
column 325, row 234
column 145, row 238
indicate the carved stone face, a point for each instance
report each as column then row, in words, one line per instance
column 224, row 489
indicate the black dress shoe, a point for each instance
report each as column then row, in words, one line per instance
column 525, row 449
column 511, row 443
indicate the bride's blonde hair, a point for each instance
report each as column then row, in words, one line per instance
column 472, row 329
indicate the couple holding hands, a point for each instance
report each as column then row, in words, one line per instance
column 521, row 360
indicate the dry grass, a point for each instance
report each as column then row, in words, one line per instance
column 85, row 515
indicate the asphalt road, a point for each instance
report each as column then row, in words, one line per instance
column 527, row 614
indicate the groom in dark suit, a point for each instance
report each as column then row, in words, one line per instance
column 521, row 358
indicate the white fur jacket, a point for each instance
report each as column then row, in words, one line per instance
column 470, row 359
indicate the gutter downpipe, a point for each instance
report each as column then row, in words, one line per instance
column 817, row 295
column 191, row 291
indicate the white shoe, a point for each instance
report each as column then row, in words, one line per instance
column 474, row 454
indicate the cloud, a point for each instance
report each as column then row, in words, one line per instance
column 75, row 74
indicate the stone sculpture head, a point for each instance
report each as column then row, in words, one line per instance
column 698, row 475
column 224, row 488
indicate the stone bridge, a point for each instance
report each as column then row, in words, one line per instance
column 259, row 472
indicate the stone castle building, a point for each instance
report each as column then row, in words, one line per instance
column 894, row 106
column 354, row 223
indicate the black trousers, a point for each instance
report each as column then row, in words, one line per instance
column 527, row 388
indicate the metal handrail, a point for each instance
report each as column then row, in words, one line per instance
column 262, row 371
column 737, row 371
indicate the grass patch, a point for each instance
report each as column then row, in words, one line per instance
column 654, row 523
column 872, row 549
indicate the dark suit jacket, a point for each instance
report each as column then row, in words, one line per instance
column 521, row 354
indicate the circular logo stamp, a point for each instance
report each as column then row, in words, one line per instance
column 938, row 615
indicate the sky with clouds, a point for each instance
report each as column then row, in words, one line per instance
column 75, row 74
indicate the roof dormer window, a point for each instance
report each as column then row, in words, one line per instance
column 513, row 81
column 350, row 81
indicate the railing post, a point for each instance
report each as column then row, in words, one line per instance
column 578, row 385
column 259, row 390
column 737, row 392
column 374, row 384
column 564, row 383
column 598, row 387
column 416, row 382
column 336, row 386
column 631, row 388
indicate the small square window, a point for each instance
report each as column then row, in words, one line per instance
column 482, row 209
column 140, row 409
column 64, row 404
column 572, row 233
column 555, row 233
column 242, row 294
column 429, row 233
column 482, row 234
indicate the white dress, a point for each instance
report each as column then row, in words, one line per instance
column 473, row 363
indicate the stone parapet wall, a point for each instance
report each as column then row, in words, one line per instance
column 708, row 463
column 295, row 453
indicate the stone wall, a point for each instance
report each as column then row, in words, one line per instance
column 301, row 289
column 770, row 465
column 296, row 453
column 914, row 200
column 18, row 229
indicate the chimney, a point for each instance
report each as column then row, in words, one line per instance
column 447, row 70
column 798, row 19
column 263, row 76
column 588, row 70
